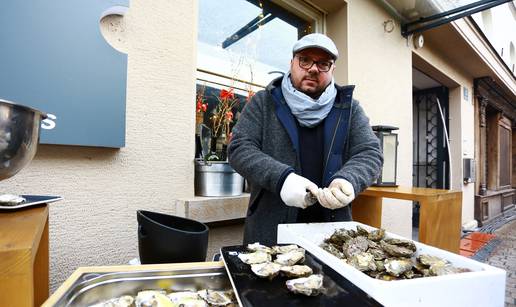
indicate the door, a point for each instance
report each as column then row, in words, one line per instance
column 430, row 147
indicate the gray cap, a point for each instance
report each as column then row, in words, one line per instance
column 316, row 40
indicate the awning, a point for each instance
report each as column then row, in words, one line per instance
column 419, row 15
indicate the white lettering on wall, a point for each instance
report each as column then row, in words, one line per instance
column 49, row 123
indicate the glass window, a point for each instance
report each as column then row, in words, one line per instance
column 242, row 46
column 247, row 40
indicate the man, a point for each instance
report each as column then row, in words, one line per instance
column 301, row 133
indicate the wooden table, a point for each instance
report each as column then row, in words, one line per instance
column 440, row 212
column 24, row 256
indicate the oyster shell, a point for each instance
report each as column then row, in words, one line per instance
column 361, row 231
column 255, row 247
column 290, row 258
column 399, row 242
column 396, row 250
column 283, row 249
column 430, row 260
column 152, row 298
column 187, row 299
column 377, row 253
column 363, row 262
column 123, row 301
column 256, row 257
column 376, row 235
column 296, row 271
column 339, row 237
column 355, row 246
column 396, row 267
column 309, row 286
column 215, row 298
column 330, row 248
column 266, row 269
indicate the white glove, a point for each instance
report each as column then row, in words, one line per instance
column 339, row 194
column 293, row 192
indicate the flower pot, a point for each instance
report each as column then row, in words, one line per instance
column 217, row 179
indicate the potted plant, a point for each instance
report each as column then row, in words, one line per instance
column 213, row 174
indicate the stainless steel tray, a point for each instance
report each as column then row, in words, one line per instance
column 92, row 287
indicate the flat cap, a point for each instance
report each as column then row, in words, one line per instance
column 316, row 40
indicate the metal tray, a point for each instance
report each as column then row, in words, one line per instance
column 91, row 288
column 32, row 200
column 251, row 290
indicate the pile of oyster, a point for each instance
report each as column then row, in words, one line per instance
column 385, row 258
column 160, row 298
column 287, row 259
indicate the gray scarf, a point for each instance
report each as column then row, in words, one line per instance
column 308, row 111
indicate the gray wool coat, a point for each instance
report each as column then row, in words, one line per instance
column 263, row 153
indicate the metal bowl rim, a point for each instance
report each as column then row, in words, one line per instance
column 42, row 114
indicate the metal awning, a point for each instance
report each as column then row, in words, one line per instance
column 420, row 15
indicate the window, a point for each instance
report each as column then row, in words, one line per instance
column 246, row 44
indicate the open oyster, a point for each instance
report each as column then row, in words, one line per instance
column 123, row 301
column 290, row 258
column 256, row 257
column 215, row 298
column 255, row 247
column 286, row 249
column 310, row 286
column 396, row 267
column 266, row 269
column 363, row 262
column 152, row 298
column 296, row 270
column 187, row 299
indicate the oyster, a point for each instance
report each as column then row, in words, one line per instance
column 11, row 200
column 296, row 271
column 330, row 248
column 290, row 258
column 255, row 247
column 339, row 237
column 377, row 253
column 215, row 298
column 310, row 286
column 266, row 269
column 355, row 246
column 363, row 262
column 256, row 257
column 396, row 250
column 187, row 299
column 123, row 301
column 152, row 298
column 396, row 267
column 376, row 235
column 404, row 243
column 283, row 249
column 361, row 231
column 429, row 260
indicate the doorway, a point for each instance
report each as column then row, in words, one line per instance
column 431, row 164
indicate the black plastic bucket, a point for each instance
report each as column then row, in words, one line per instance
column 166, row 238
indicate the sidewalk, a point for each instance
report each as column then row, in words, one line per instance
column 504, row 256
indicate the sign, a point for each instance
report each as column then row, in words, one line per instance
column 54, row 58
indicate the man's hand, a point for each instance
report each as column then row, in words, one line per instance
column 339, row 194
column 294, row 191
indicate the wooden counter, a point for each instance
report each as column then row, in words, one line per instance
column 440, row 212
column 24, row 256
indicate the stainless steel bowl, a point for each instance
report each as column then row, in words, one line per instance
column 19, row 136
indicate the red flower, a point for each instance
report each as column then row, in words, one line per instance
column 225, row 94
column 229, row 116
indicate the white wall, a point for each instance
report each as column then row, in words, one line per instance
column 103, row 188
column 381, row 67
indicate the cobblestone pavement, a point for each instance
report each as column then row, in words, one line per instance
column 504, row 256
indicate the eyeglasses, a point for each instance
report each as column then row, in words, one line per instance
column 307, row 63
